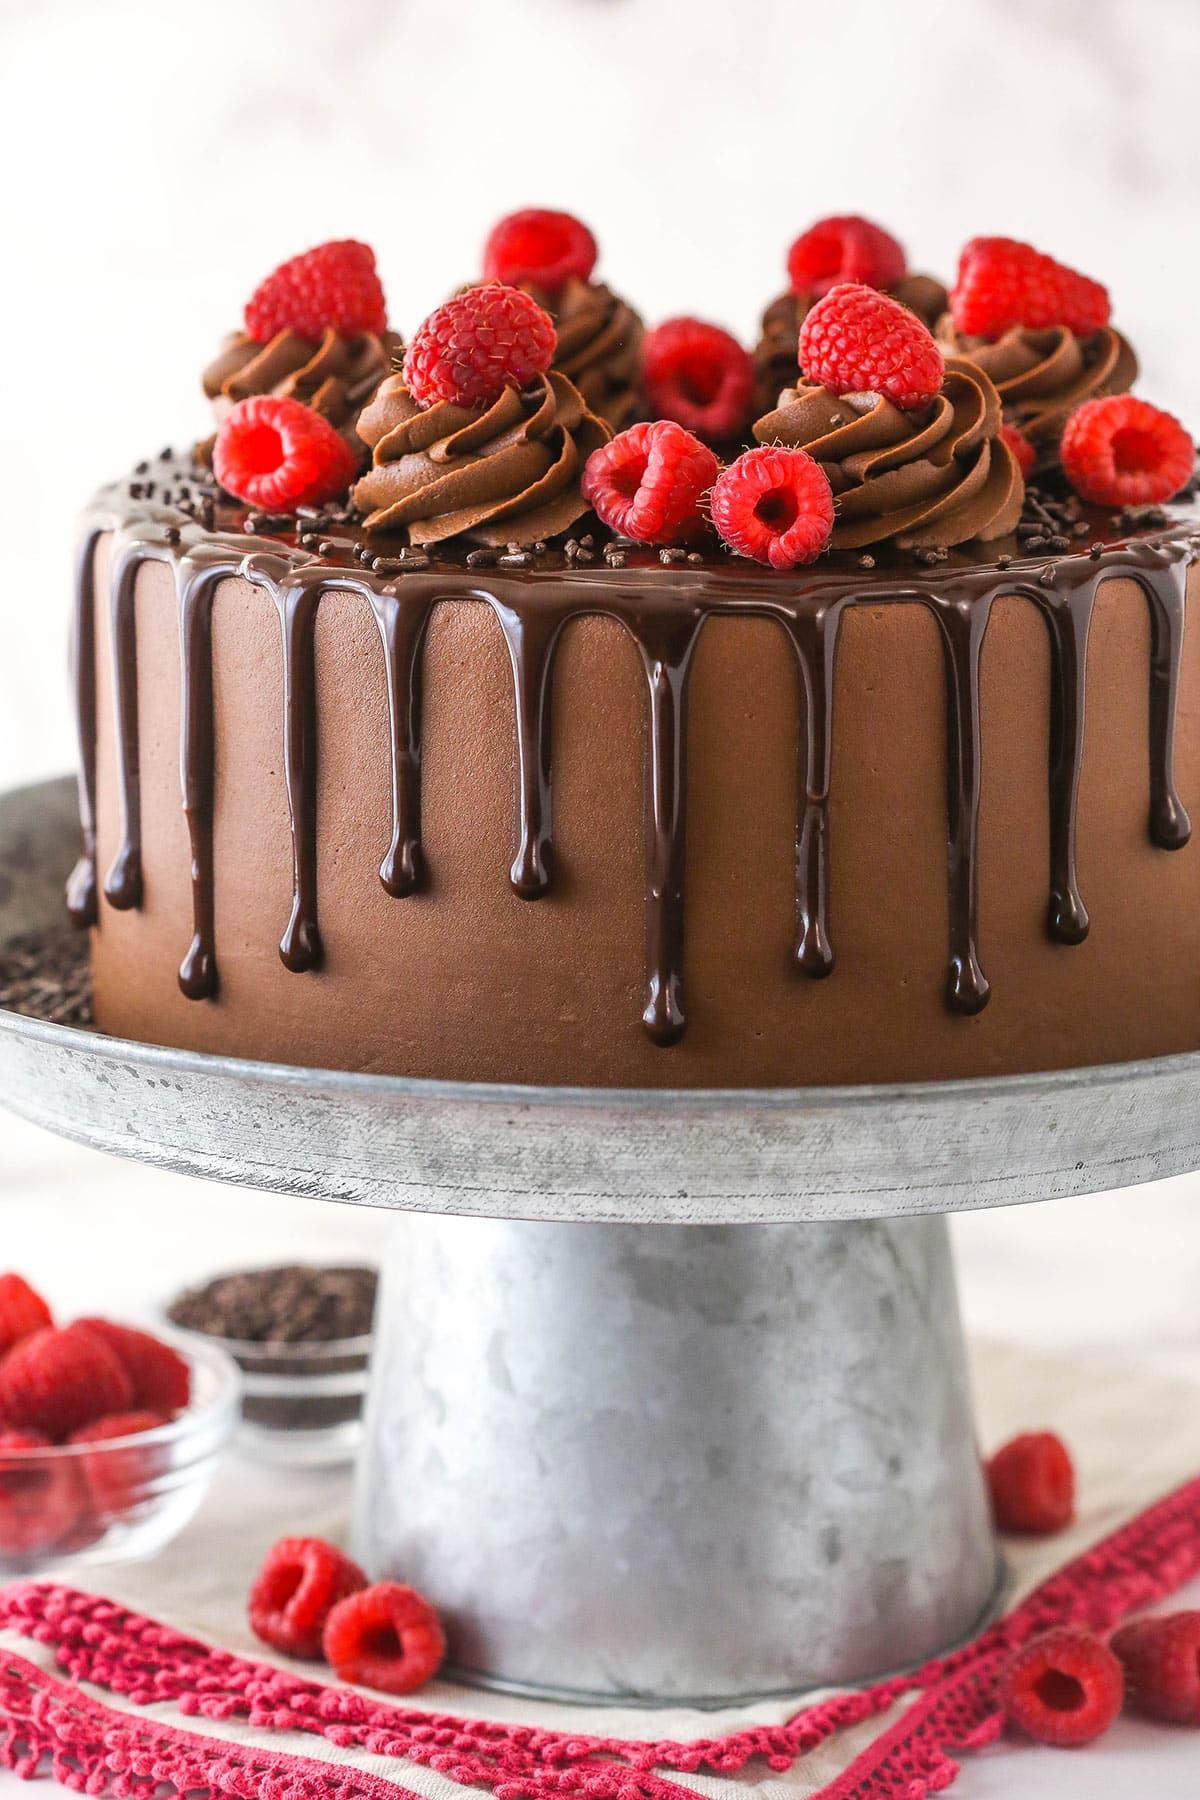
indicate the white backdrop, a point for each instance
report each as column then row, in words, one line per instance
column 158, row 159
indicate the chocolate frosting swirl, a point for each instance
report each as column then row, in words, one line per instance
column 335, row 377
column 775, row 354
column 938, row 476
column 508, row 474
column 599, row 347
column 1042, row 376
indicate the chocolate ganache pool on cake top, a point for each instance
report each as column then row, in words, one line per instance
column 550, row 701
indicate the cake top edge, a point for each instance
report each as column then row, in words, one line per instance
column 881, row 413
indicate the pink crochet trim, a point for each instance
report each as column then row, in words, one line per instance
column 50, row 1727
column 97, row 1642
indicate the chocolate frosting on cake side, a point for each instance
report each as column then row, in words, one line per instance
column 258, row 722
column 509, row 473
column 940, row 475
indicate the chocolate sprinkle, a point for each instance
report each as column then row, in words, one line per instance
column 46, row 976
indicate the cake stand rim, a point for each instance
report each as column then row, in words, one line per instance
column 1043, row 1083
column 655, row 1155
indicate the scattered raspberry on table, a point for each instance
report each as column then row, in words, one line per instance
column 298, row 1586
column 1064, row 1688
column 1161, row 1660
column 1032, row 1483
column 387, row 1637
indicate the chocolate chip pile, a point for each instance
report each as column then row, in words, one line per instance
column 295, row 1304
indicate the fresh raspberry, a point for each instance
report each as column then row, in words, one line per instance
column 117, row 1480
column 699, row 376
column 541, row 248
column 117, row 1425
column 1020, row 446
column 22, row 1311
column 331, row 288
column 40, row 1497
column 1161, row 1660
column 469, row 350
column 1003, row 283
column 280, row 454
column 1032, row 1481
column 162, row 1381
column 298, row 1586
column 844, row 249
column 58, row 1380
column 775, row 505
column 1064, row 1688
column 1122, row 451
column 648, row 482
column 387, row 1637
column 857, row 341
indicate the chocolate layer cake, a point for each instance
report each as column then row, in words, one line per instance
column 481, row 805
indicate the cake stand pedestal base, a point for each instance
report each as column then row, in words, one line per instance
column 694, row 1463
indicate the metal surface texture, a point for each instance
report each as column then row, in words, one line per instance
column 676, row 1463
column 645, row 1156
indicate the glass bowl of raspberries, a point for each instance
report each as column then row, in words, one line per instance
column 109, row 1435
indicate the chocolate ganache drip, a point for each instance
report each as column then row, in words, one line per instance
column 939, row 475
column 775, row 354
column 664, row 610
column 335, row 377
column 507, row 474
column 1042, row 376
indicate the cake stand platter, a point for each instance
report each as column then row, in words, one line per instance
column 669, row 1400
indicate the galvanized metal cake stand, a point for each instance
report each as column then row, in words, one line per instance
column 669, row 1399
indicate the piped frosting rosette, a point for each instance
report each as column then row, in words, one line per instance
column 937, row 476
column 599, row 347
column 508, row 473
column 1043, row 376
column 336, row 376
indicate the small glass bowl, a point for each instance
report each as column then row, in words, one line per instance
column 302, row 1404
column 125, row 1498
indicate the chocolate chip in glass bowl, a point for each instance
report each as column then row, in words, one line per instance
column 301, row 1335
